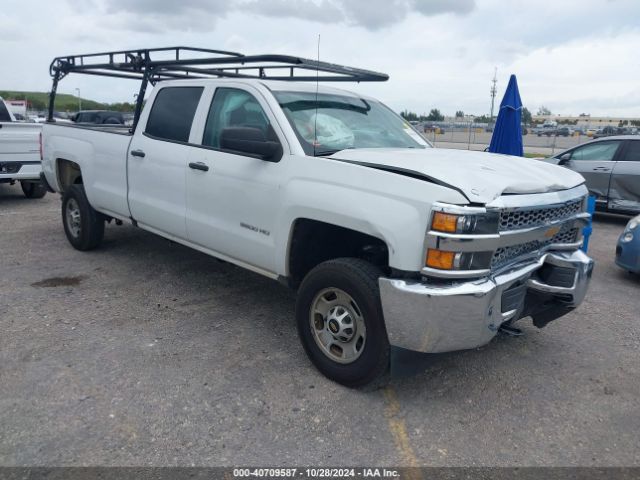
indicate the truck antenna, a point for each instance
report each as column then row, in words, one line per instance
column 315, row 118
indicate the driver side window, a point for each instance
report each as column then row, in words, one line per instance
column 234, row 108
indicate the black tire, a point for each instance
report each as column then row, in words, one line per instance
column 33, row 189
column 91, row 223
column 359, row 279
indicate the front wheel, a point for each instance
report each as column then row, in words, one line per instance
column 33, row 189
column 83, row 225
column 340, row 321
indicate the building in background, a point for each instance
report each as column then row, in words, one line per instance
column 18, row 108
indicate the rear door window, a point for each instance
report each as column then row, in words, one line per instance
column 632, row 152
column 172, row 113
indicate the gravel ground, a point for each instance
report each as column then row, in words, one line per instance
column 147, row 353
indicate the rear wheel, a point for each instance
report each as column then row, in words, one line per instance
column 33, row 189
column 83, row 226
column 340, row 321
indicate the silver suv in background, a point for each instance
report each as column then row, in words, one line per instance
column 611, row 168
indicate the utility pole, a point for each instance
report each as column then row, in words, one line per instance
column 493, row 91
column 80, row 100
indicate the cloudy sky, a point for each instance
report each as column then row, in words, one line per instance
column 572, row 56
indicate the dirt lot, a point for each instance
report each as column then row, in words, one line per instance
column 147, row 353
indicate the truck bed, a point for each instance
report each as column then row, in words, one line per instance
column 103, row 150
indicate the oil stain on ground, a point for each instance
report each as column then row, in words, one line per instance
column 59, row 282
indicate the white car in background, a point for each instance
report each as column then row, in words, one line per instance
column 20, row 158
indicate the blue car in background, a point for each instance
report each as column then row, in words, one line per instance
column 628, row 248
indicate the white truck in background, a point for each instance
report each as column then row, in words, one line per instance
column 20, row 153
column 387, row 240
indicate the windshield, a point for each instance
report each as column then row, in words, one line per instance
column 337, row 122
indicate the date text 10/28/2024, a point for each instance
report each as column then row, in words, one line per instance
column 316, row 472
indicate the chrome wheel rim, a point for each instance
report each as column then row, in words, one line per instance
column 337, row 325
column 73, row 217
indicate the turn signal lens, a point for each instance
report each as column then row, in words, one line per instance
column 440, row 259
column 444, row 222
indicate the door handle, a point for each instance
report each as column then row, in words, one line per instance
column 137, row 153
column 601, row 169
column 199, row 166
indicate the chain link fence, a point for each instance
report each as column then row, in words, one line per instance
column 470, row 136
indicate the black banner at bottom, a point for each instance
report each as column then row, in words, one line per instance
column 398, row 473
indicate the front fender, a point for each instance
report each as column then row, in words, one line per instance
column 398, row 215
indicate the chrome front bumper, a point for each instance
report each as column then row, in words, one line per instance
column 467, row 314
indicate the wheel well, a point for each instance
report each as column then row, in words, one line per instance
column 69, row 173
column 314, row 242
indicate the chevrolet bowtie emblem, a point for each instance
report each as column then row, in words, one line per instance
column 552, row 232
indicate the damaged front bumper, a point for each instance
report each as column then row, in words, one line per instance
column 459, row 315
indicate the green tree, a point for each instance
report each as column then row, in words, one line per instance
column 459, row 114
column 409, row 116
column 544, row 110
column 435, row 115
column 526, row 116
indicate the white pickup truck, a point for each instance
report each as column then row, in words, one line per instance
column 387, row 240
column 20, row 153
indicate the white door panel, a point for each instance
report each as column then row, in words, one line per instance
column 157, row 161
column 231, row 207
column 157, row 184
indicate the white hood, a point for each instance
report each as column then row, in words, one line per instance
column 481, row 176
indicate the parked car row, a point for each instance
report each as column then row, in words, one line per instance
column 610, row 131
column 568, row 130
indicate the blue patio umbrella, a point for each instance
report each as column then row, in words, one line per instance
column 507, row 134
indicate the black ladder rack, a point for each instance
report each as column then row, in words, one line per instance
column 153, row 65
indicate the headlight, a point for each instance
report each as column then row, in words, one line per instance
column 473, row 223
column 633, row 223
column 444, row 260
column 627, row 237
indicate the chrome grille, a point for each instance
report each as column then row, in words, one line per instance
column 534, row 217
column 505, row 255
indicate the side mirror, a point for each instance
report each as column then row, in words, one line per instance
column 250, row 141
column 564, row 159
